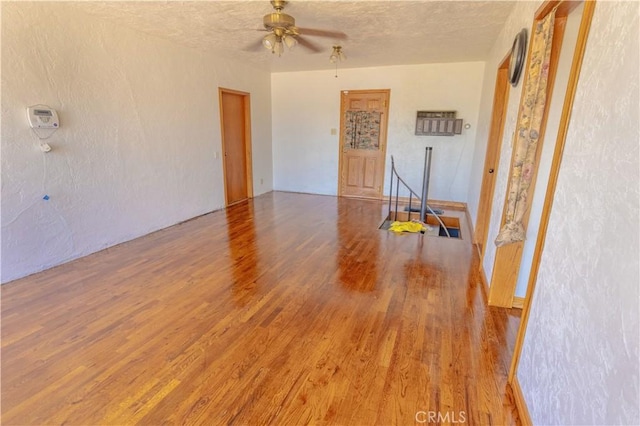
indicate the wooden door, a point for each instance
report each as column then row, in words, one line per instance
column 364, row 115
column 235, row 121
column 492, row 157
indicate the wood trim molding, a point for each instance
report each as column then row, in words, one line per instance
column 574, row 75
column 246, row 98
column 483, row 280
column 448, row 205
column 508, row 258
column 402, row 201
column 248, row 144
column 470, row 225
column 518, row 302
column 440, row 204
column 564, row 7
column 492, row 151
column 521, row 404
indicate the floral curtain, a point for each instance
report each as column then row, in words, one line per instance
column 362, row 130
column 527, row 133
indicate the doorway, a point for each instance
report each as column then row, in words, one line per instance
column 508, row 257
column 235, row 125
column 364, row 115
column 492, row 157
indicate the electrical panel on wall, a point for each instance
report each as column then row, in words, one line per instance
column 438, row 123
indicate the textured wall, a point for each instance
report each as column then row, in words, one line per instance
column 305, row 154
column 579, row 363
column 139, row 133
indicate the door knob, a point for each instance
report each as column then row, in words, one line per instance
column 490, row 170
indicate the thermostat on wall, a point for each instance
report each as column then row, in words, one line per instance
column 43, row 117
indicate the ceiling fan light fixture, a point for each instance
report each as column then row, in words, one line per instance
column 269, row 41
column 290, row 41
column 278, row 48
column 337, row 55
column 281, row 30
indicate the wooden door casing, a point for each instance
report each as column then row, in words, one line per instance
column 361, row 166
column 492, row 157
column 508, row 258
column 235, row 124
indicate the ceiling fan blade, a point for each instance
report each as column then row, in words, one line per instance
column 338, row 35
column 308, row 45
column 254, row 47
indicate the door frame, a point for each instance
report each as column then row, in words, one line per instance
column 492, row 155
column 246, row 106
column 383, row 144
column 508, row 258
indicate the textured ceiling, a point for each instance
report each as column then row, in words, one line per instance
column 379, row 32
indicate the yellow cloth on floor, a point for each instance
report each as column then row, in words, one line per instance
column 406, row 227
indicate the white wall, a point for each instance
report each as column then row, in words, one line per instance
column 139, row 131
column 579, row 363
column 306, row 106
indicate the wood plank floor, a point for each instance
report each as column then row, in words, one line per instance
column 288, row 309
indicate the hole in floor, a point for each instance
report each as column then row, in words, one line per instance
column 452, row 224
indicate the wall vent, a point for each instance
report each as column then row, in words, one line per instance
column 438, row 123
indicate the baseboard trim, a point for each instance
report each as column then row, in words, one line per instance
column 440, row 204
column 304, row 193
column 484, row 282
column 518, row 302
column 470, row 225
column 448, row 205
column 521, row 405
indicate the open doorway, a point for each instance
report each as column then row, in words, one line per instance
column 513, row 260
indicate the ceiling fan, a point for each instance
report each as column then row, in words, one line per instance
column 283, row 31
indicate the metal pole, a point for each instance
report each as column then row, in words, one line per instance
column 397, row 190
column 425, row 184
column 393, row 170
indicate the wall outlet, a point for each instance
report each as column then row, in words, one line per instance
column 334, row 132
column 261, row 181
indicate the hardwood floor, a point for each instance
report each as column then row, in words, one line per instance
column 288, row 309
